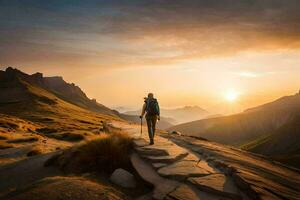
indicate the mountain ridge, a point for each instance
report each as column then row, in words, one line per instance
column 67, row 91
column 255, row 128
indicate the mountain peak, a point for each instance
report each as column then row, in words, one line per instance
column 11, row 73
column 193, row 107
column 11, row 69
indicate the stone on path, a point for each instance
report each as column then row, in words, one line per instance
column 123, row 178
column 158, row 165
column 217, row 184
column 140, row 142
column 183, row 169
column 162, row 186
column 165, row 159
column 151, row 151
column 185, row 192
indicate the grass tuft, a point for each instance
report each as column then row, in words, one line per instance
column 104, row 154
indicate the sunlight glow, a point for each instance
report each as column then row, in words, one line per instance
column 231, row 95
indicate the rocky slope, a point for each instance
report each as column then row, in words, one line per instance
column 269, row 129
column 283, row 145
column 28, row 97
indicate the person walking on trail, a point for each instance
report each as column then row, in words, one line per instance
column 151, row 108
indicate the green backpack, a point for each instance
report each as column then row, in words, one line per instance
column 152, row 107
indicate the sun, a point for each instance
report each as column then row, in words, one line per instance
column 231, row 95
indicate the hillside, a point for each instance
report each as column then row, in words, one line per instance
column 283, row 145
column 29, row 98
column 255, row 129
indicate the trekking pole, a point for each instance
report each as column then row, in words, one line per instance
column 141, row 127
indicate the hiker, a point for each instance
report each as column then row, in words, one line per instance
column 151, row 108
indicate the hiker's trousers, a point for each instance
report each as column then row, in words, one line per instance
column 151, row 123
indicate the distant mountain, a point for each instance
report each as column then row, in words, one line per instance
column 121, row 109
column 269, row 129
column 180, row 115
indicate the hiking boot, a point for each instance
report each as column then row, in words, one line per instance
column 151, row 142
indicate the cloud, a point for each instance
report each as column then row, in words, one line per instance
column 137, row 33
column 248, row 74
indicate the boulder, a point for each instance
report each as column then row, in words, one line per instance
column 176, row 133
column 123, row 178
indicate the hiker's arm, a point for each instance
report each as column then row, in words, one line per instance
column 143, row 110
column 158, row 111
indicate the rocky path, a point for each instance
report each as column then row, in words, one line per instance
column 184, row 168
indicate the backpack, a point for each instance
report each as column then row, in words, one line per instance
column 152, row 107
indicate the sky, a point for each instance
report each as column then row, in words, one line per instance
column 222, row 55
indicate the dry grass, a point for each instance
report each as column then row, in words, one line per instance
column 9, row 123
column 5, row 146
column 110, row 151
column 108, row 128
column 21, row 140
column 71, row 137
column 6, row 124
column 104, row 154
column 66, row 188
column 46, row 130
